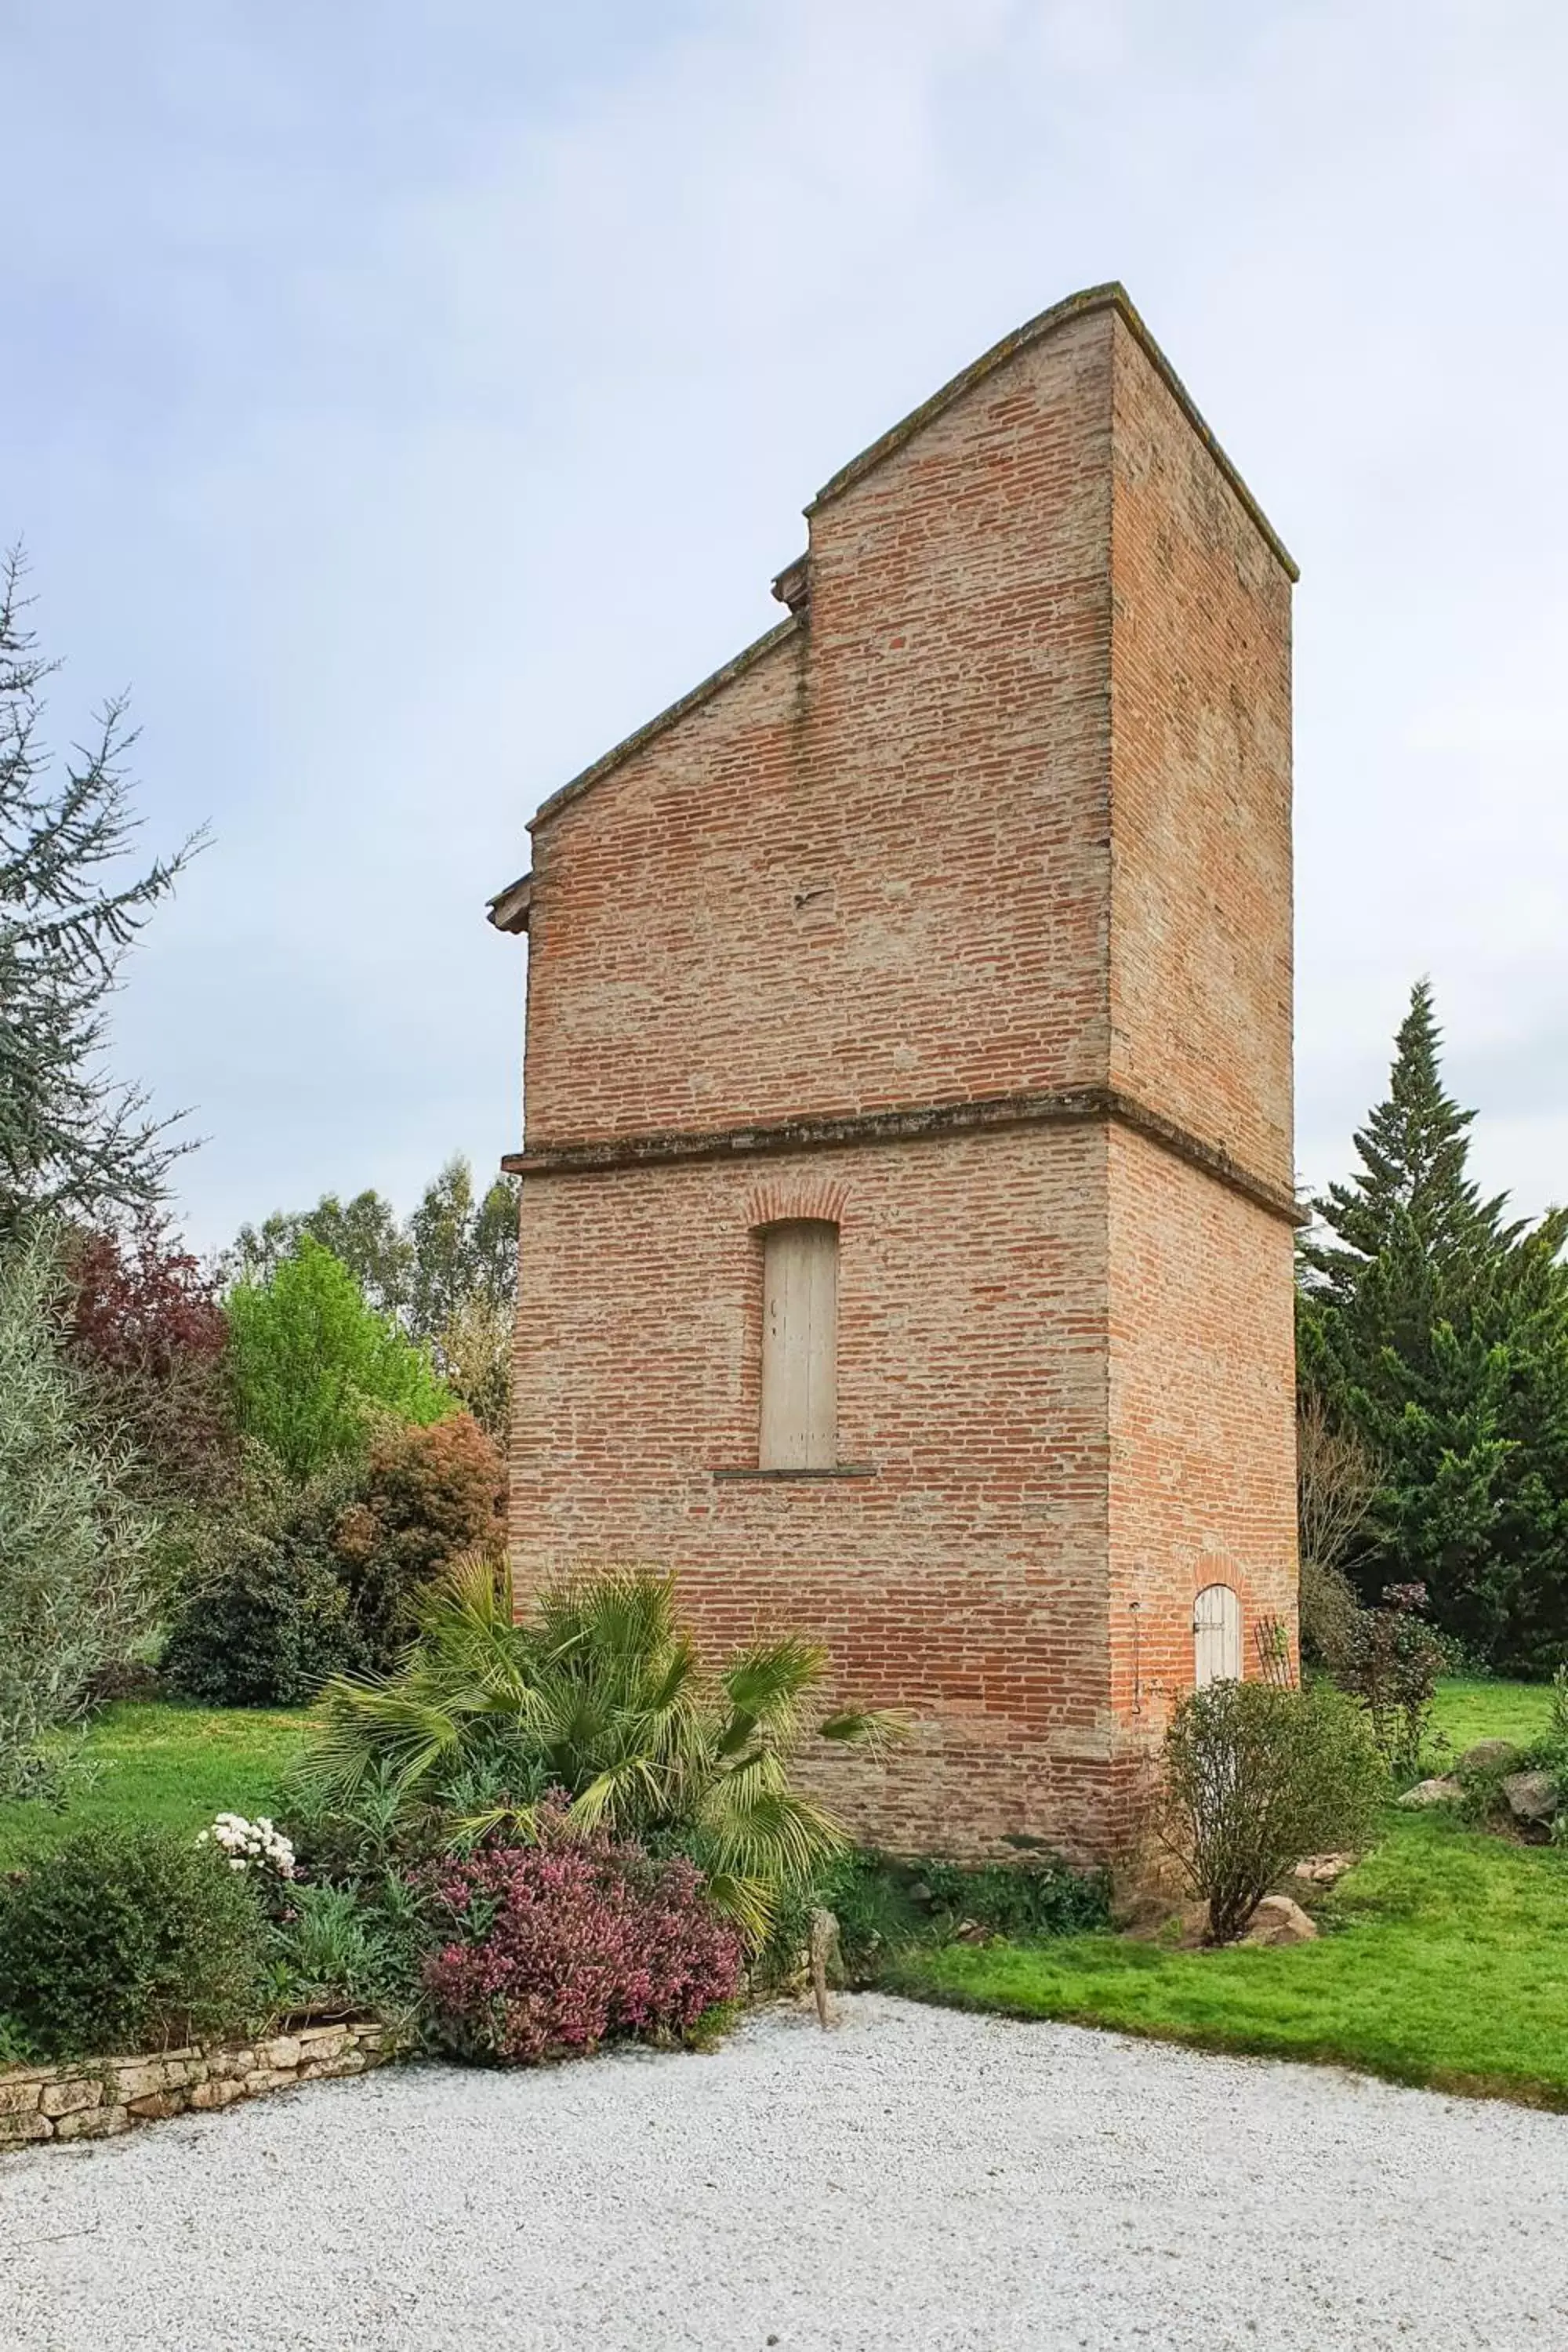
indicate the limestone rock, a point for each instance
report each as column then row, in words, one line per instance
column 1322, row 1869
column 1443, row 1790
column 269, row 2078
column 281, row 2054
column 93, row 2123
column 159, row 2103
column 142, row 2079
column 1279, row 1919
column 1487, row 1756
column 219, row 2092
column 1532, row 1796
column 16, row 2128
column 19, row 2094
column 348, row 2061
column 324, row 2042
column 68, row 2097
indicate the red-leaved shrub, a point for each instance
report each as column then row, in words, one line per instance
column 145, row 1322
column 553, row 1948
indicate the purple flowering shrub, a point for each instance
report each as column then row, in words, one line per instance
column 548, row 1950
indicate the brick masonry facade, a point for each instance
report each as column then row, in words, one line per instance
column 956, row 911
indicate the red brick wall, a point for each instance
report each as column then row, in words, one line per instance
column 930, row 755
column 1007, row 811
column 966, row 1577
column 1201, row 890
column 1203, row 1429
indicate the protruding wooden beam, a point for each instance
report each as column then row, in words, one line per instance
column 507, row 911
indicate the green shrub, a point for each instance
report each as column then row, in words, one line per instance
column 1045, row 1896
column 884, row 1905
column 74, row 1552
column 869, row 1895
column 361, row 1946
column 276, row 1624
column 324, row 1580
column 127, row 1939
column 1255, row 1778
column 1390, row 1664
column 601, row 1692
column 315, row 1367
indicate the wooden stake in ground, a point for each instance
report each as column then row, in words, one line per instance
column 824, row 1947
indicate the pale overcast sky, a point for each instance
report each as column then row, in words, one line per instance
column 409, row 399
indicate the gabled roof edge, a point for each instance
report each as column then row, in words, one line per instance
column 1113, row 296
column 709, row 686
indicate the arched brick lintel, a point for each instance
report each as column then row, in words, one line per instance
column 1221, row 1568
column 790, row 1199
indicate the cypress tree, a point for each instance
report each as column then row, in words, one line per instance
column 1437, row 1330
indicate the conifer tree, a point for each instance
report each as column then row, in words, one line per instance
column 71, row 1140
column 1436, row 1330
column 1412, row 1181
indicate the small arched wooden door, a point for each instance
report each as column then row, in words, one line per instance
column 1217, row 1636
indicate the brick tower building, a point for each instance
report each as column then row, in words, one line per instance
column 907, row 1196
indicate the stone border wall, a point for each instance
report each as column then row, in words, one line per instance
column 97, row 2096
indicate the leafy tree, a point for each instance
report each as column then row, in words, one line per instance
column 274, row 1620
column 463, row 1247
column 1435, row 1330
column 71, row 1140
column 447, row 1277
column 74, row 1589
column 144, row 1323
column 427, row 1496
column 474, row 1351
column 364, row 1233
column 314, row 1366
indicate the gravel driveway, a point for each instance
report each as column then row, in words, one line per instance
column 914, row 2179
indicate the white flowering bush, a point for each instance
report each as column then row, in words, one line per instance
column 245, row 1843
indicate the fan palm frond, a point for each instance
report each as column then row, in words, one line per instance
column 749, row 1904
column 765, row 1685
column 619, row 1798
column 365, row 1728
column 874, row 1728
column 772, row 1833
column 599, row 1691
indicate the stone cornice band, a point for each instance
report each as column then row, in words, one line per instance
column 912, row 1125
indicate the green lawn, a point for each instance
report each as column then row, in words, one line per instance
column 1442, row 1961
column 179, row 1765
column 1469, row 1710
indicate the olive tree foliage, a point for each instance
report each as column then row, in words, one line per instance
column 72, row 1140
column 75, row 1587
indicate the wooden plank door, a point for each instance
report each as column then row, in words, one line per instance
column 800, row 1346
column 1217, row 1636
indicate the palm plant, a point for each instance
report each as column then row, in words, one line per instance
column 600, row 1693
